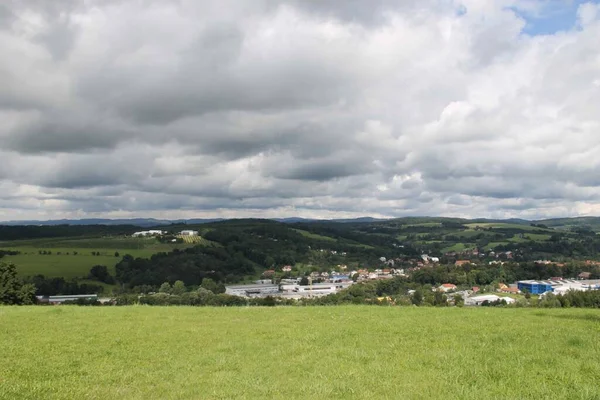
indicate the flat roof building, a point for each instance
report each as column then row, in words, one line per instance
column 534, row 287
column 252, row 290
column 59, row 299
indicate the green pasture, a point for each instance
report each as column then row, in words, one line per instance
column 72, row 257
column 344, row 352
column 505, row 225
column 67, row 264
column 314, row 236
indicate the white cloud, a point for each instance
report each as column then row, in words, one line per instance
column 269, row 108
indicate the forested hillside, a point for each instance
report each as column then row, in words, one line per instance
column 247, row 249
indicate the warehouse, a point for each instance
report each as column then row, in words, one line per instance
column 253, row 290
column 534, row 287
column 490, row 298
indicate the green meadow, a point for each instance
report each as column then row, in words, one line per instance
column 344, row 352
column 72, row 257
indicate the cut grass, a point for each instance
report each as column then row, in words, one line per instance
column 340, row 352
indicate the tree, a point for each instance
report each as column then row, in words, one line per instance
column 165, row 288
column 12, row 290
column 100, row 273
column 458, row 300
column 117, row 254
column 439, row 299
column 178, row 288
column 304, row 281
column 213, row 286
column 417, row 297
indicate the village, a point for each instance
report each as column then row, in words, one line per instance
column 322, row 283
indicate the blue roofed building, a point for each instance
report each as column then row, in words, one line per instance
column 534, row 287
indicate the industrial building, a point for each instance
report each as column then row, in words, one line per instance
column 490, row 298
column 253, row 290
column 534, row 287
column 557, row 286
column 66, row 298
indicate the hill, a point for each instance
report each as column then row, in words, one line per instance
column 242, row 250
column 350, row 352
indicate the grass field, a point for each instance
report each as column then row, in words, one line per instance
column 314, row 236
column 68, row 265
column 458, row 247
column 505, row 225
column 347, row 352
column 30, row 262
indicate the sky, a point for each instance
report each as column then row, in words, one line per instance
column 315, row 109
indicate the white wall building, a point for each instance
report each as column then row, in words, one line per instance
column 478, row 300
column 148, row 233
column 252, row 290
column 188, row 233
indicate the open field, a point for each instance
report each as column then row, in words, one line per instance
column 348, row 352
column 67, row 264
column 75, row 258
column 505, row 225
column 314, row 235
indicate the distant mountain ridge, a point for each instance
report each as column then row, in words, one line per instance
column 150, row 222
column 141, row 222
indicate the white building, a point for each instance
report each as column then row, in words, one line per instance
column 188, row 233
column 490, row 298
column 321, row 288
column 148, row 233
column 252, row 290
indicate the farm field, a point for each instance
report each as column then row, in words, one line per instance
column 349, row 352
column 505, row 225
column 72, row 257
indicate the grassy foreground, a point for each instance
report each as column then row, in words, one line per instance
column 356, row 352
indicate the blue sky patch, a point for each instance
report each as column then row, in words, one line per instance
column 554, row 16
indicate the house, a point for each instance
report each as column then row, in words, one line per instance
column 340, row 278
column 584, row 275
column 475, row 289
column 459, row 263
column 502, row 286
column 447, row 287
column 188, row 233
column 434, row 259
column 269, row 272
column 286, row 268
column 512, row 290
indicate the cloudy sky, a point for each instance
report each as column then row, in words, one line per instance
column 324, row 108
